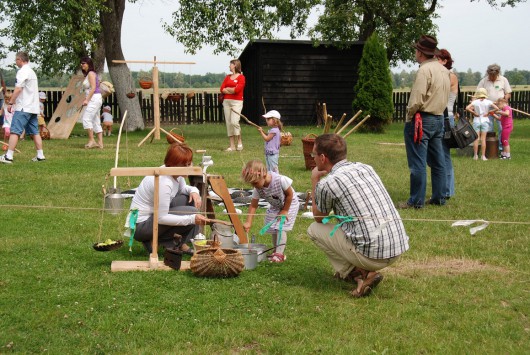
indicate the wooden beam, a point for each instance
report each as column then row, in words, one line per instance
column 147, row 171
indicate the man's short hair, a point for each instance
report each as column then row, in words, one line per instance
column 332, row 146
column 23, row 56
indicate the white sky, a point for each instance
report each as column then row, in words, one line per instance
column 475, row 34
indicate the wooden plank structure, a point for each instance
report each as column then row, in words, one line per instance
column 218, row 186
column 293, row 76
column 69, row 110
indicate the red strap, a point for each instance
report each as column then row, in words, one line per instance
column 418, row 128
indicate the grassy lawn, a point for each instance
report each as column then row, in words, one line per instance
column 450, row 293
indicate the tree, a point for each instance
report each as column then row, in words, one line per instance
column 63, row 31
column 373, row 91
column 228, row 24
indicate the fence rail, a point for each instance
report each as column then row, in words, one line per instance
column 204, row 107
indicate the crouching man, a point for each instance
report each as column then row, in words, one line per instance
column 369, row 234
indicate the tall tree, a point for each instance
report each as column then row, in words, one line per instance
column 373, row 91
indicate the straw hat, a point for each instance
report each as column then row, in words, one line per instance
column 481, row 93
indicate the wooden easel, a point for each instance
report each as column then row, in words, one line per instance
column 218, row 186
column 156, row 100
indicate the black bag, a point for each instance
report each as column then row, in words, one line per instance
column 461, row 135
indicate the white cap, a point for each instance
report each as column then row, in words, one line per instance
column 272, row 114
column 42, row 95
column 106, row 108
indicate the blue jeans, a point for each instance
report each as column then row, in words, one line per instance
column 449, row 171
column 431, row 148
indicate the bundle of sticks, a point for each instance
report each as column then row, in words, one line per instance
column 328, row 120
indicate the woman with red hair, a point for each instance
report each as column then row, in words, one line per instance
column 178, row 205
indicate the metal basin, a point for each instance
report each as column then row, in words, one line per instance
column 259, row 248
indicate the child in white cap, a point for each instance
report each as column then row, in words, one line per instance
column 41, row 117
column 107, row 118
column 272, row 139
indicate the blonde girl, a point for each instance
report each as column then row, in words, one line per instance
column 277, row 191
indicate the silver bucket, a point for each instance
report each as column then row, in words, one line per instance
column 223, row 233
column 250, row 256
column 114, row 201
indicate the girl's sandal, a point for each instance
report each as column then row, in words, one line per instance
column 277, row 258
column 229, row 149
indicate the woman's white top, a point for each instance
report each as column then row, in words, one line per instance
column 169, row 187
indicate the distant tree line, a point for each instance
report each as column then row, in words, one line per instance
column 405, row 79
column 166, row 80
column 400, row 80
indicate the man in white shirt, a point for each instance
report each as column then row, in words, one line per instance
column 25, row 103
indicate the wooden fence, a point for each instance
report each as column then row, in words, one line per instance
column 204, row 108
column 519, row 100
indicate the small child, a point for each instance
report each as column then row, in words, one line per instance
column 8, row 117
column 506, row 117
column 272, row 140
column 277, row 191
column 107, row 121
column 41, row 117
column 480, row 108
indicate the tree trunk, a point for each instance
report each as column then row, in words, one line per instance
column 120, row 74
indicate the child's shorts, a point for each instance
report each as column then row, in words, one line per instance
column 481, row 126
column 41, row 120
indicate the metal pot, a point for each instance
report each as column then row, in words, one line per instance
column 114, row 201
column 261, row 250
column 250, row 256
column 223, row 233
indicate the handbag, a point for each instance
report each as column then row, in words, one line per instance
column 221, row 98
column 461, row 135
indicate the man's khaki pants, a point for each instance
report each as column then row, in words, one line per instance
column 341, row 253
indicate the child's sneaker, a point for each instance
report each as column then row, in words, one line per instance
column 484, row 158
column 5, row 160
column 475, row 157
column 37, row 159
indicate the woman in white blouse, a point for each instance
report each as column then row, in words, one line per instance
column 178, row 207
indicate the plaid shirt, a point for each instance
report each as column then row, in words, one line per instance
column 355, row 189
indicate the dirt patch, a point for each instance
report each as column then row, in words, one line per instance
column 441, row 267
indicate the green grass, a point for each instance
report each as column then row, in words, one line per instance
column 450, row 293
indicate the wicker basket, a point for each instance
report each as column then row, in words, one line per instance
column 217, row 263
column 286, row 138
column 145, row 84
column 130, row 95
column 190, row 95
column 308, row 143
column 175, row 97
column 45, row 133
column 180, row 136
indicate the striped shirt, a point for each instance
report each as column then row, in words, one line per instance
column 355, row 189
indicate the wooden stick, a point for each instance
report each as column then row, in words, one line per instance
column 118, row 147
column 340, row 122
column 525, row 113
column 356, row 126
column 7, row 144
column 325, row 116
column 246, row 119
column 350, row 121
column 263, row 103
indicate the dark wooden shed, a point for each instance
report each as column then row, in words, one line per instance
column 293, row 76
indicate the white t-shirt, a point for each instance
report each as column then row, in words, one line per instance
column 169, row 187
column 28, row 99
column 107, row 117
column 482, row 107
column 496, row 89
column 285, row 182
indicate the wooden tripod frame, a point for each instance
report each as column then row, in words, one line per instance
column 218, row 186
column 156, row 100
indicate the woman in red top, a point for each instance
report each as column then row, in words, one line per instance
column 232, row 88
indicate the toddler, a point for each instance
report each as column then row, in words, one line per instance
column 8, row 117
column 272, row 140
column 107, row 118
column 41, row 117
column 480, row 108
column 278, row 192
column 505, row 116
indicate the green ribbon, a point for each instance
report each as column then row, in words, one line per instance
column 343, row 220
column 282, row 221
column 132, row 225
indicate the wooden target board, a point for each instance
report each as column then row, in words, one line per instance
column 69, row 110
